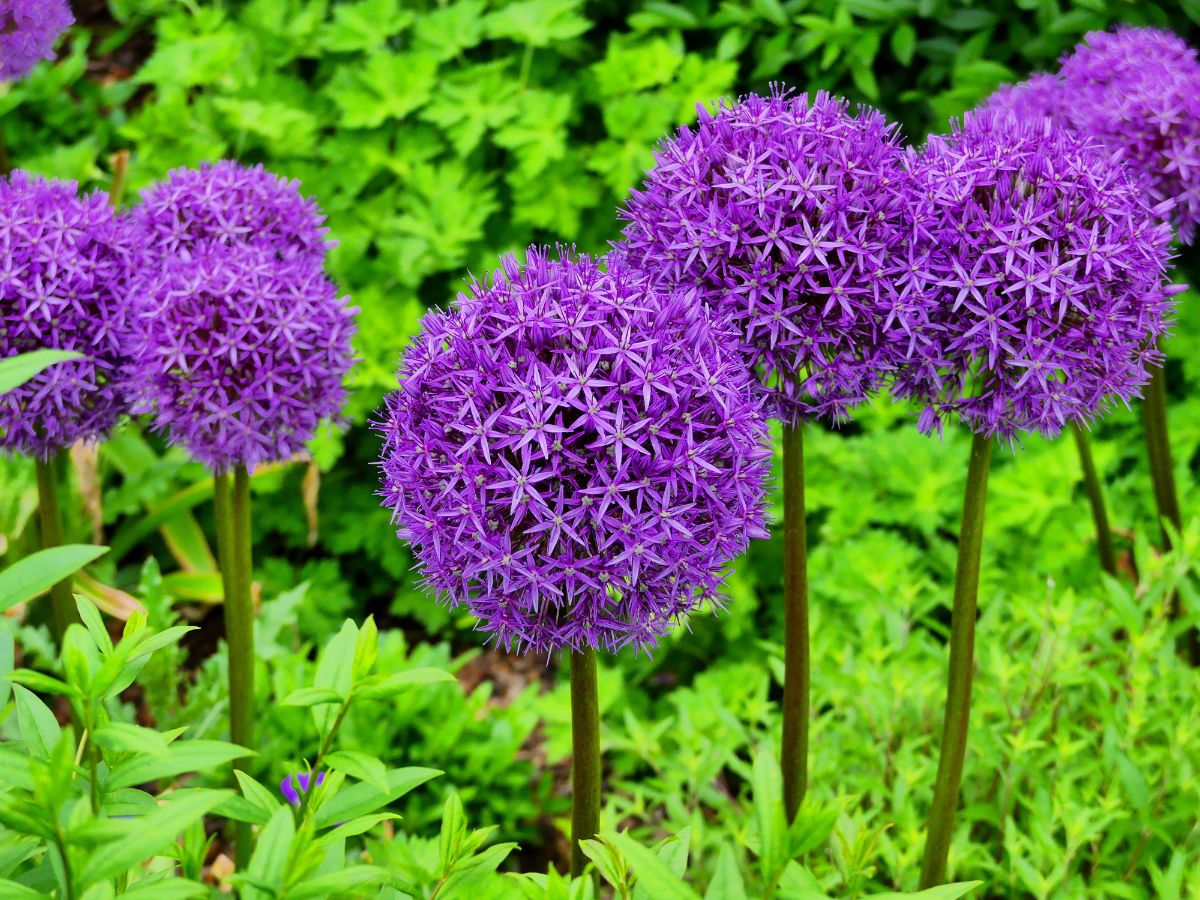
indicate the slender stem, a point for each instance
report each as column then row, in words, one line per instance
column 585, row 755
column 5, row 164
column 1166, row 497
column 962, row 660
column 50, row 516
column 239, row 630
column 222, row 501
column 120, row 176
column 1095, row 493
column 796, row 679
column 326, row 744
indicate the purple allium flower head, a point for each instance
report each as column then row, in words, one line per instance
column 1138, row 91
column 782, row 214
column 240, row 353
column 293, row 786
column 574, row 454
column 228, row 203
column 1041, row 95
column 1046, row 268
column 28, row 32
column 63, row 269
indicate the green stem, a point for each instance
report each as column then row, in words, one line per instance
column 5, row 164
column 585, row 755
column 322, row 752
column 222, row 501
column 796, row 679
column 239, row 629
column 62, row 601
column 962, row 660
column 120, row 176
column 1166, row 497
column 1095, row 493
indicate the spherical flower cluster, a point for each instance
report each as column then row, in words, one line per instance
column 1045, row 267
column 63, row 268
column 240, row 353
column 228, row 203
column 1041, row 95
column 574, row 455
column 1138, row 91
column 782, row 214
column 28, row 32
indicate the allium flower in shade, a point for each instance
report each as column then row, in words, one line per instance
column 574, row 455
column 228, row 203
column 1138, row 91
column 63, row 267
column 1041, row 95
column 240, row 353
column 28, row 32
column 781, row 213
column 293, row 787
column 1046, row 266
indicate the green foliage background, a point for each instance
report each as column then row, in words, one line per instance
column 439, row 135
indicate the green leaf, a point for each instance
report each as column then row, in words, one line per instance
column 186, row 756
column 94, row 622
column 607, row 861
column 361, row 799
column 768, row 812
column 727, row 883
column 904, row 43
column 273, row 848
column 941, row 892
column 8, row 653
column 362, row 766
column 16, row 370
column 125, row 738
column 388, row 86
column 653, row 875
column 453, row 832
column 311, row 696
column 39, row 728
column 256, row 794
column 13, row 890
column 382, row 687
column 165, row 889
column 147, row 835
column 40, row 571
column 538, row 23
column 350, row 879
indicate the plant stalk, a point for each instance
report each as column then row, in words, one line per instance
column 239, row 629
column 585, row 754
column 1095, row 493
column 962, row 660
column 62, row 601
column 797, row 675
column 1166, row 497
column 222, row 501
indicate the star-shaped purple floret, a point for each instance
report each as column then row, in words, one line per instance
column 781, row 213
column 64, row 265
column 574, row 455
column 1044, row 267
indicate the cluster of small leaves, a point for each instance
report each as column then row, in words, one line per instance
column 786, row 216
column 1046, row 267
column 574, row 455
column 62, row 285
